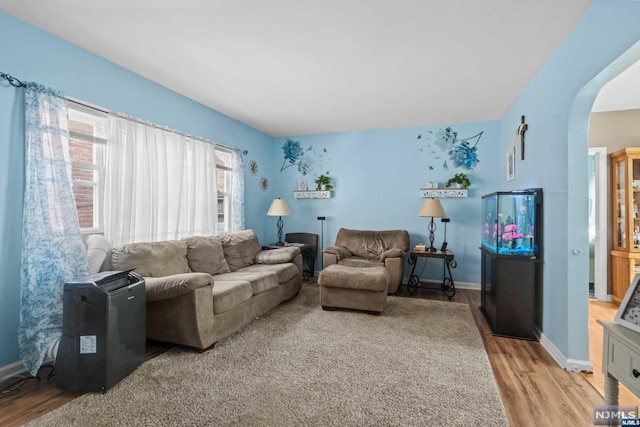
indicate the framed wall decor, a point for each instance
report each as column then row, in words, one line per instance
column 511, row 164
column 302, row 185
column 629, row 312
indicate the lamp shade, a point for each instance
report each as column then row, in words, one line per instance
column 432, row 208
column 278, row 208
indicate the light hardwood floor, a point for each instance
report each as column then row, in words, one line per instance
column 534, row 389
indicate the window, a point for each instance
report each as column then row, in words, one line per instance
column 87, row 141
column 88, row 145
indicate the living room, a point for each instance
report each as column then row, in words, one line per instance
column 377, row 173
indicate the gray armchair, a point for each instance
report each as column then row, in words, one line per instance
column 364, row 248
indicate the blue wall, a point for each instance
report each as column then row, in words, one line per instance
column 557, row 104
column 33, row 55
column 377, row 173
column 377, row 176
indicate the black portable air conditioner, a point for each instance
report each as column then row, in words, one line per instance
column 103, row 331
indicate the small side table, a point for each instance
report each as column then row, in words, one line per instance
column 448, row 261
column 620, row 360
column 307, row 256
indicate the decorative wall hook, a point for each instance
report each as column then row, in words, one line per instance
column 521, row 130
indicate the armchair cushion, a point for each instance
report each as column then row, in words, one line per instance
column 277, row 256
column 392, row 253
column 160, row 288
column 372, row 244
column 360, row 262
column 339, row 251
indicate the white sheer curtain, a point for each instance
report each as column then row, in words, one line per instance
column 160, row 185
column 237, row 191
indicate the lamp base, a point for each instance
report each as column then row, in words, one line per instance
column 432, row 228
column 279, row 243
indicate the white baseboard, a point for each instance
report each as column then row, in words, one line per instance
column 467, row 285
column 15, row 368
column 574, row 365
column 608, row 298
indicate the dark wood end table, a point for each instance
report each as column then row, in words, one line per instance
column 448, row 259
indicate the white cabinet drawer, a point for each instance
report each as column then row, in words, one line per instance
column 622, row 362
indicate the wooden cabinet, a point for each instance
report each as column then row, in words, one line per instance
column 625, row 255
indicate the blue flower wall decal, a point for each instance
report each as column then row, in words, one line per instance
column 292, row 151
column 461, row 152
column 296, row 155
column 464, row 156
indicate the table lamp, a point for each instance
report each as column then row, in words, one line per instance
column 279, row 208
column 432, row 208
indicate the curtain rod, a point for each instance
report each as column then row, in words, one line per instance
column 18, row 83
column 155, row 125
column 12, row 80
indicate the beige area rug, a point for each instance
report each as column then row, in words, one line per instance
column 421, row 363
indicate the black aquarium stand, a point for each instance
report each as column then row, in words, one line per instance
column 508, row 294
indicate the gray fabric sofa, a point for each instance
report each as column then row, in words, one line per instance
column 365, row 248
column 202, row 289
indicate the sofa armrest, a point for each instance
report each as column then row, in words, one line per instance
column 392, row 253
column 277, row 256
column 161, row 288
column 340, row 252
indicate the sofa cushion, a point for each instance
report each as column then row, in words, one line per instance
column 360, row 262
column 205, row 254
column 97, row 250
column 285, row 272
column 155, row 259
column 277, row 256
column 160, row 288
column 261, row 281
column 228, row 294
column 239, row 247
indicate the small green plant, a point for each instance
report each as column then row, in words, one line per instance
column 459, row 178
column 323, row 180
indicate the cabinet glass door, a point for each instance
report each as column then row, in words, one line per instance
column 621, row 235
column 635, row 200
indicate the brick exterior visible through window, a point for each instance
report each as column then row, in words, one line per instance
column 82, row 152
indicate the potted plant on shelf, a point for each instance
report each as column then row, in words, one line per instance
column 323, row 182
column 460, row 179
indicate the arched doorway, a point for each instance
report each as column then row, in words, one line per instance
column 578, row 144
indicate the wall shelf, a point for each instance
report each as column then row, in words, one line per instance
column 443, row 192
column 313, row 194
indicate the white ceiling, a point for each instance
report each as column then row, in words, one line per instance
column 621, row 93
column 294, row 67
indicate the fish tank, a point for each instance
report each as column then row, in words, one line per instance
column 510, row 222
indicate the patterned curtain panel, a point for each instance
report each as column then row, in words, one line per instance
column 52, row 248
column 237, row 192
column 160, row 185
